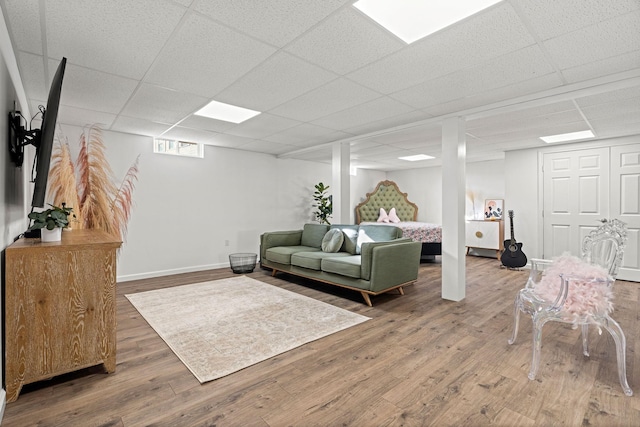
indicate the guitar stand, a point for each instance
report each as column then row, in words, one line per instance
column 510, row 268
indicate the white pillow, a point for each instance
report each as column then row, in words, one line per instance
column 383, row 216
column 332, row 241
column 393, row 216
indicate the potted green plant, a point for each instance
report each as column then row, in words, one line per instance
column 51, row 222
column 323, row 202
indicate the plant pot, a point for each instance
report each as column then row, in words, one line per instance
column 54, row 235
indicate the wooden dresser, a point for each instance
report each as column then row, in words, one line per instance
column 59, row 307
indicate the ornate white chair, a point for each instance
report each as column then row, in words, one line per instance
column 577, row 291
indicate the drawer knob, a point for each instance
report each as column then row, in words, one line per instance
column 479, row 234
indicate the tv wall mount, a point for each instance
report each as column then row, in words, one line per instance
column 19, row 136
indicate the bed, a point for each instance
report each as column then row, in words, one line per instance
column 387, row 195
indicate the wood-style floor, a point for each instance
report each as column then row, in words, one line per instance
column 420, row 360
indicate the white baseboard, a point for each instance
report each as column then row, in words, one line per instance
column 151, row 274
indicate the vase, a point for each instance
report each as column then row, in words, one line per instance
column 54, row 235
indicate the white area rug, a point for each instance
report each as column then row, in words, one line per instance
column 219, row 327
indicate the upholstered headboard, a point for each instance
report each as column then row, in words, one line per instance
column 386, row 195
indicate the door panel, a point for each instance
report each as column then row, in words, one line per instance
column 625, row 204
column 575, row 197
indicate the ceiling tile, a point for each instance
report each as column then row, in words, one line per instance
column 193, row 63
column 305, row 134
column 24, row 24
column 268, row 147
column 603, row 67
column 419, row 132
column 262, row 125
column 345, row 42
column 506, row 70
column 611, row 110
column 362, row 114
column 373, row 151
column 533, row 124
column 185, row 3
column 275, row 22
column 83, row 117
column 110, row 92
column 527, row 87
column 337, row 95
column 606, row 39
column 230, row 141
column 491, row 33
column 139, row 126
column 389, row 122
column 522, row 115
column 608, row 97
column 160, row 104
column 570, row 15
column 125, row 35
column 277, row 80
column 206, row 123
column 32, row 73
column 606, row 128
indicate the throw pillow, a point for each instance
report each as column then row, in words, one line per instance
column 383, row 216
column 363, row 237
column 393, row 216
column 332, row 241
column 350, row 234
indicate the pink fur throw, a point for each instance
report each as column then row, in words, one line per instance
column 586, row 298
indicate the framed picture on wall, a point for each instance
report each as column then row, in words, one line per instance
column 493, row 209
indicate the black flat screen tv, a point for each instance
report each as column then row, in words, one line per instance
column 45, row 144
column 41, row 139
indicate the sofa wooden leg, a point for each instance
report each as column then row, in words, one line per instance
column 273, row 272
column 401, row 290
column 366, row 298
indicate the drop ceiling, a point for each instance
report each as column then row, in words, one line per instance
column 322, row 71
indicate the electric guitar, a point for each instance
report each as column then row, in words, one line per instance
column 513, row 257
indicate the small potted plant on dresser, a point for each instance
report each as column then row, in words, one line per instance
column 51, row 222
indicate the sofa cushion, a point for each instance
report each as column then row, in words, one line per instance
column 312, row 235
column 313, row 260
column 332, row 241
column 345, row 266
column 350, row 233
column 282, row 254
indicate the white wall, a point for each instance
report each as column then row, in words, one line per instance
column 521, row 189
column 13, row 190
column 485, row 180
column 189, row 214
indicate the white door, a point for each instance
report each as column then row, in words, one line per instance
column 625, row 204
column 575, row 197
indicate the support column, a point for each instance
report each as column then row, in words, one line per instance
column 454, row 152
column 340, row 183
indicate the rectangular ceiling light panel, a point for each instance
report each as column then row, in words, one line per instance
column 565, row 137
column 226, row 112
column 411, row 20
column 416, row 158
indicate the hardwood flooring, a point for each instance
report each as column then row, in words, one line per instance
column 420, row 360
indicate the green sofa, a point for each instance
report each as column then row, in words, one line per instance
column 370, row 259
